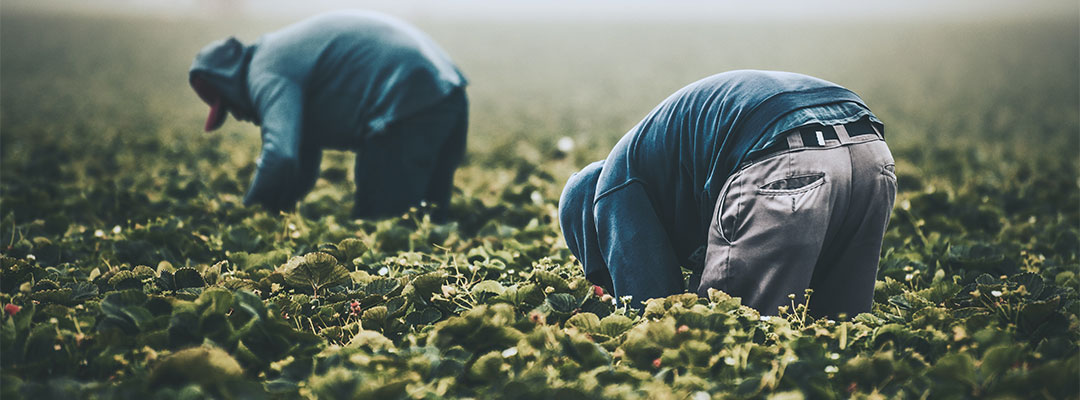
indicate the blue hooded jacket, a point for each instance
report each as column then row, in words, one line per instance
column 636, row 217
column 330, row 81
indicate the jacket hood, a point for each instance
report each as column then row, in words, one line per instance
column 578, row 223
column 224, row 65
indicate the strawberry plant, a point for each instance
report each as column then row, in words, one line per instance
column 130, row 268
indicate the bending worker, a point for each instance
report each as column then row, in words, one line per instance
column 761, row 183
column 356, row 81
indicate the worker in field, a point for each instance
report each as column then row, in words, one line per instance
column 358, row 81
column 762, row 184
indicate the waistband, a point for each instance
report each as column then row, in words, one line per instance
column 817, row 135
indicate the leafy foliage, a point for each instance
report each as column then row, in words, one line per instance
column 131, row 270
column 315, row 270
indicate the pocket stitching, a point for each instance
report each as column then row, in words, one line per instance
column 885, row 170
column 818, row 175
column 789, row 192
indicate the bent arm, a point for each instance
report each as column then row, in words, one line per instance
column 635, row 245
column 310, row 161
column 278, row 181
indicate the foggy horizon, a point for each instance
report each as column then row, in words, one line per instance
column 567, row 10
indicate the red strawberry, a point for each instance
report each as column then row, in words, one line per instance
column 537, row 318
column 11, row 309
column 354, row 308
column 598, row 291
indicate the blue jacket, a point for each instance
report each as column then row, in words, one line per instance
column 636, row 217
column 330, row 81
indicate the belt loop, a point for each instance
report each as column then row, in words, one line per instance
column 794, row 140
column 842, row 134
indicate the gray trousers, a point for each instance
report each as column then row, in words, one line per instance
column 807, row 217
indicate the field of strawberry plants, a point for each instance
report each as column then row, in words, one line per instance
column 129, row 268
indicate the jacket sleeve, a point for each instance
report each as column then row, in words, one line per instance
column 310, row 161
column 635, row 246
column 277, row 181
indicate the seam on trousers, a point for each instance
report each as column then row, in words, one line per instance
column 735, row 222
column 731, row 240
column 851, row 188
column 790, row 174
column 851, row 191
column 791, row 167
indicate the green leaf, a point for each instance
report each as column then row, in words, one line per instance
column 595, row 306
column 204, row 366
column 999, row 359
column 525, row 296
column 486, row 368
column 548, row 278
column 1032, row 282
column 563, row 303
column 316, row 271
column 374, row 317
column 143, row 272
column 215, row 301
column 397, row 306
column 1032, row 314
column 212, row 274
column 54, row 296
column 615, row 324
column 81, row 291
column 371, row 340
column 956, row 367
column 16, row 272
column 585, row 322
column 123, row 280
column 488, row 286
column 183, row 330
column 123, row 310
column 45, row 284
column 351, row 248
column 187, row 277
column 39, row 344
column 977, row 253
column 166, row 281
column 932, row 316
column 251, row 304
column 987, row 279
column 425, row 285
column 423, row 317
column 237, row 284
column 383, row 287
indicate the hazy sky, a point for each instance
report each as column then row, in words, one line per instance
column 576, row 9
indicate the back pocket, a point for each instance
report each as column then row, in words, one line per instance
column 792, row 184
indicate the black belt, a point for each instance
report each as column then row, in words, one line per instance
column 815, row 135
